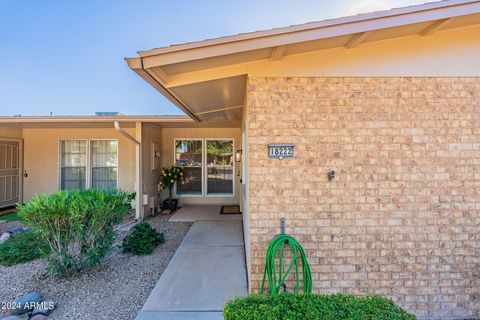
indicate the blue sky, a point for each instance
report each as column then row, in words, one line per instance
column 66, row 57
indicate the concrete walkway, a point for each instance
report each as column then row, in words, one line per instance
column 207, row 270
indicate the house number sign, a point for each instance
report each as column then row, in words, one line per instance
column 280, row 150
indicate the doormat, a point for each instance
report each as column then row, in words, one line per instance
column 230, row 209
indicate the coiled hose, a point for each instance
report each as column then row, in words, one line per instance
column 275, row 275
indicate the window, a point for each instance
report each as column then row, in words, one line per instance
column 189, row 156
column 220, row 167
column 97, row 168
column 104, row 164
column 73, row 165
column 208, row 167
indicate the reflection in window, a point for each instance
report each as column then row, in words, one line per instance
column 220, row 167
column 104, row 164
column 73, row 164
column 188, row 155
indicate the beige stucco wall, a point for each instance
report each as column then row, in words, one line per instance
column 402, row 217
column 167, row 150
column 10, row 132
column 150, row 134
column 41, row 155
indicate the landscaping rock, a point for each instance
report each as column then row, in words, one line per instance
column 39, row 317
column 25, row 302
column 11, row 318
column 4, row 237
column 14, row 231
column 45, row 308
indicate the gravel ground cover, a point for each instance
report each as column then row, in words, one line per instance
column 116, row 289
column 6, row 225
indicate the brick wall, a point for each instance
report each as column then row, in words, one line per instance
column 402, row 217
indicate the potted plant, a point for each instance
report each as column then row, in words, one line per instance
column 168, row 178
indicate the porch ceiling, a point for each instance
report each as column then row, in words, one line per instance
column 220, row 99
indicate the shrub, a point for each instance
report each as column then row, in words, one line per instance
column 143, row 239
column 21, row 248
column 12, row 216
column 76, row 225
column 313, row 307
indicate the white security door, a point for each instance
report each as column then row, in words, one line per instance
column 9, row 173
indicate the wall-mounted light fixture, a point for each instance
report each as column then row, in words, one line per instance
column 238, row 155
column 331, row 175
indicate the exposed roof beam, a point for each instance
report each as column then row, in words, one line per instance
column 357, row 39
column 277, row 53
column 431, row 29
column 218, row 110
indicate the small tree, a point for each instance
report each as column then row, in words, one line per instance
column 77, row 225
column 168, row 178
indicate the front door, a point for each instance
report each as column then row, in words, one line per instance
column 9, row 173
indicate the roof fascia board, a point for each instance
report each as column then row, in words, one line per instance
column 137, row 65
column 93, row 119
column 308, row 35
column 312, row 25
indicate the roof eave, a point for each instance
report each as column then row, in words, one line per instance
column 90, row 119
column 397, row 12
column 136, row 64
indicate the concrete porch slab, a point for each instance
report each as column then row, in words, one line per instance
column 207, row 270
column 202, row 213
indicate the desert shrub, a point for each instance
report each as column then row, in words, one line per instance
column 21, row 248
column 143, row 239
column 313, row 307
column 12, row 216
column 77, row 225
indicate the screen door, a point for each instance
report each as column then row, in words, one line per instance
column 9, row 173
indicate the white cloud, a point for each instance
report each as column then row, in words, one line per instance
column 364, row 6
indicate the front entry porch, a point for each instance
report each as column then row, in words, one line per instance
column 207, row 270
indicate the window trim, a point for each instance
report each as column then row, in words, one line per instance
column 204, row 193
column 201, row 194
column 88, row 169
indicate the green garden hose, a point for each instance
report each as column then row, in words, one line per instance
column 275, row 275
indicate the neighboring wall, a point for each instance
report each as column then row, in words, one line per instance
column 167, row 150
column 10, row 132
column 402, row 217
column 150, row 166
column 42, row 154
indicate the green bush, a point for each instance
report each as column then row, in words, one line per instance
column 313, row 307
column 143, row 239
column 12, row 216
column 21, row 248
column 77, row 225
